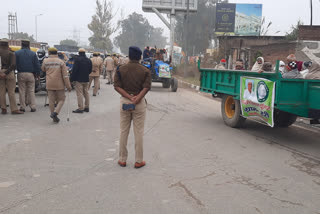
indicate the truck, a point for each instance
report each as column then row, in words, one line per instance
column 292, row 97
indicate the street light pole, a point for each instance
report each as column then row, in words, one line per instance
column 36, row 19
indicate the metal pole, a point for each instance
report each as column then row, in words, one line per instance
column 311, row 7
column 172, row 17
column 37, row 26
column 186, row 61
column 16, row 23
column 36, row 29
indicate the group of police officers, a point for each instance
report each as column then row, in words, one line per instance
column 131, row 80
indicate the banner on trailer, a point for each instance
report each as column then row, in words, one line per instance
column 257, row 98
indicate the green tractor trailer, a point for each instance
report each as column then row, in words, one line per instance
column 291, row 98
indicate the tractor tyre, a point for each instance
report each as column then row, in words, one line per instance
column 166, row 83
column 231, row 112
column 283, row 119
column 174, row 85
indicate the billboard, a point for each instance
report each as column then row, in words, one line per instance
column 238, row 19
column 166, row 6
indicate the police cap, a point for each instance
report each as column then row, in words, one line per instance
column 4, row 43
column 52, row 50
column 25, row 42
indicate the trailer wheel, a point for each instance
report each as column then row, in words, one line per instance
column 174, row 85
column 166, row 83
column 283, row 119
column 231, row 112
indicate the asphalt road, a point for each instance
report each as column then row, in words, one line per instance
column 195, row 164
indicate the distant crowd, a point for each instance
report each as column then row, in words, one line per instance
column 292, row 69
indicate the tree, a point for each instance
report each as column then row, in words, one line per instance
column 101, row 26
column 293, row 33
column 69, row 42
column 201, row 27
column 136, row 30
column 21, row 35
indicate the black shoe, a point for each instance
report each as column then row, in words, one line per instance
column 33, row 110
column 78, row 111
column 55, row 118
column 86, row 110
column 21, row 109
column 94, row 95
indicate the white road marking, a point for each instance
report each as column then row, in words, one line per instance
column 111, row 150
column 109, row 159
column 36, row 175
column 7, row 184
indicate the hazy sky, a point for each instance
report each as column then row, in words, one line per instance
column 61, row 17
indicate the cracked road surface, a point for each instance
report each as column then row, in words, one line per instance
column 195, row 164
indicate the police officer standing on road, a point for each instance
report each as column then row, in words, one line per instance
column 7, row 78
column 28, row 67
column 82, row 68
column 57, row 79
column 132, row 82
column 97, row 66
column 109, row 64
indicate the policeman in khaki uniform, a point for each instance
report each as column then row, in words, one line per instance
column 116, row 63
column 109, row 64
column 57, row 79
column 7, row 78
column 97, row 66
column 132, row 82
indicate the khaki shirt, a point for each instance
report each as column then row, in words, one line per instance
column 57, row 77
column 116, row 61
column 133, row 78
column 8, row 60
column 97, row 64
column 109, row 63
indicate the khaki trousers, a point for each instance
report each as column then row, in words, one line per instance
column 138, row 117
column 9, row 83
column 110, row 75
column 26, row 83
column 82, row 92
column 56, row 97
column 96, row 81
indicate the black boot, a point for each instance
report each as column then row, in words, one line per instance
column 54, row 117
column 86, row 110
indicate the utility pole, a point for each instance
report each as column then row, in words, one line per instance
column 186, row 38
column 311, row 7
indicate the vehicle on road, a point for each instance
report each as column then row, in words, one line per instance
column 292, row 97
column 161, row 72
